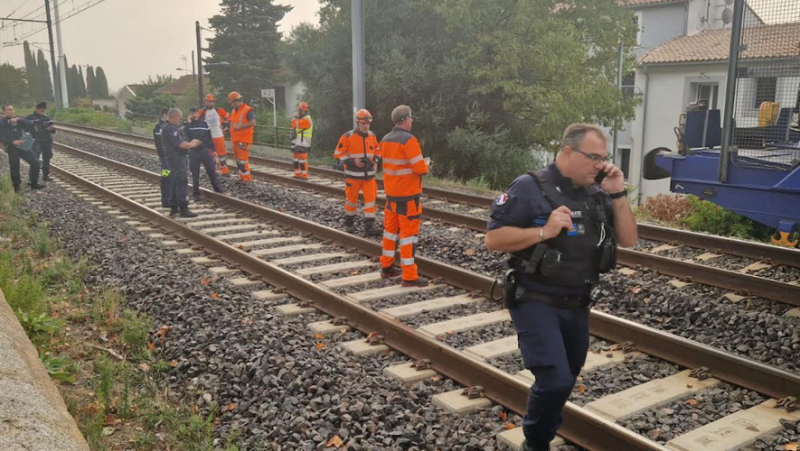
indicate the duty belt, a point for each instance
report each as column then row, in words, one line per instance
column 566, row 302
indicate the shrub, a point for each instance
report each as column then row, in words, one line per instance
column 90, row 117
column 135, row 330
column 708, row 217
column 667, row 208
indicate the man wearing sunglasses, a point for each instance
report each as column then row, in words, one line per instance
column 358, row 153
column 561, row 226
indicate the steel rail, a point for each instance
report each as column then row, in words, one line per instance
column 732, row 368
column 580, row 426
column 741, row 248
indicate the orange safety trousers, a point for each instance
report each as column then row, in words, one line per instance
column 370, row 190
column 241, row 151
column 401, row 229
column 222, row 153
column 300, row 160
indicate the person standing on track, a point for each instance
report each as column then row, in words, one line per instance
column 166, row 181
column 216, row 118
column 561, row 226
column 176, row 150
column 242, row 124
column 302, row 130
column 403, row 168
column 12, row 129
column 202, row 154
column 358, row 151
column 43, row 131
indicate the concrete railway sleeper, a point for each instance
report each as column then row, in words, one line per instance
column 592, row 430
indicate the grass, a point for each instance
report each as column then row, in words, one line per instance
column 96, row 351
column 93, row 118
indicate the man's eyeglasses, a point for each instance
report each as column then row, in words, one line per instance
column 594, row 157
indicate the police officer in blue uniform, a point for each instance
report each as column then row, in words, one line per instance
column 166, row 181
column 199, row 129
column 43, row 131
column 561, row 226
column 176, row 150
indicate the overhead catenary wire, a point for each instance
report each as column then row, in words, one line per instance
column 71, row 13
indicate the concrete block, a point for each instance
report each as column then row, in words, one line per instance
column 286, row 249
column 267, row 295
column 465, row 323
column 404, row 311
column 493, row 349
column 679, row 284
column 735, row 431
column 146, row 229
column 222, row 271
column 328, row 328
column 513, row 439
column 250, row 234
column 795, row 312
column 733, row 297
column 267, row 241
column 405, row 373
column 707, row 256
column 361, row 347
column 244, row 282
column 294, row 310
column 662, row 248
column 171, row 243
column 387, row 292
column 189, row 251
column 626, row 271
column 477, row 210
column 335, row 267
column 231, row 228
column 309, row 258
column 158, row 235
column 755, row 266
column 455, row 402
column 208, row 222
column 205, row 261
column 352, row 280
column 648, row 396
column 205, row 217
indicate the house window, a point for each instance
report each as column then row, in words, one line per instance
column 625, row 160
column 628, row 85
column 765, row 90
column 637, row 20
column 708, row 93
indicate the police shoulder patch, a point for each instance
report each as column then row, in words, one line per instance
column 501, row 199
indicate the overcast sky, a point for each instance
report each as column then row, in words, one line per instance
column 130, row 39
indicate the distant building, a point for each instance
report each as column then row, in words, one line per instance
column 127, row 92
column 287, row 94
column 181, row 86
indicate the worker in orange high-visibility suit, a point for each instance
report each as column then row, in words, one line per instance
column 243, row 122
column 403, row 168
column 358, row 151
column 302, row 130
column 216, row 118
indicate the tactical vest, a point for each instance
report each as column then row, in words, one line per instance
column 573, row 258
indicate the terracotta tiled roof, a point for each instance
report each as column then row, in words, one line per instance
column 764, row 41
column 634, row 3
column 179, row 86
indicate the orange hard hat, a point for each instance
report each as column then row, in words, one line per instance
column 363, row 115
column 302, row 106
column 234, row 96
column 210, row 98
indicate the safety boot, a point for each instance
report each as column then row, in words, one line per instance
column 173, row 211
column 528, row 446
column 419, row 283
column 186, row 213
column 370, row 229
column 36, row 186
column 348, row 224
column 390, row 272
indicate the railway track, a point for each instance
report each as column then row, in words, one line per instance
column 470, row 211
column 334, row 272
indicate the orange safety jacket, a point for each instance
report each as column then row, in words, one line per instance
column 403, row 166
column 239, row 116
column 355, row 144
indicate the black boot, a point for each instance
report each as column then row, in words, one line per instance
column 527, row 446
column 348, row 224
column 16, row 188
column 36, row 186
column 173, row 211
column 370, row 229
column 46, row 178
column 186, row 213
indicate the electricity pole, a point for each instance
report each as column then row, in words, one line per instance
column 199, row 64
column 62, row 60
column 359, row 91
column 56, row 87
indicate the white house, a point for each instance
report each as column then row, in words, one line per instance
column 694, row 67
column 127, row 92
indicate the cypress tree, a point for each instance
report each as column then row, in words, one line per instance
column 46, row 82
column 101, row 85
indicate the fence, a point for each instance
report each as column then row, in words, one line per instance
column 765, row 132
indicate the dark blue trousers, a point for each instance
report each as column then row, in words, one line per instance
column 179, row 175
column 553, row 343
column 31, row 157
column 46, row 151
column 201, row 155
column 166, row 181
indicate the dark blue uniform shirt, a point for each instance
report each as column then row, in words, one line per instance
column 171, row 139
column 523, row 205
column 199, row 130
column 40, row 130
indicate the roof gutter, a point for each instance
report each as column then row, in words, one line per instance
column 644, row 132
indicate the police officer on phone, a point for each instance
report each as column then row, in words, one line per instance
column 12, row 136
column 561, row 226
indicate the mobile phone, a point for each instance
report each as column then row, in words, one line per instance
column 598, row 179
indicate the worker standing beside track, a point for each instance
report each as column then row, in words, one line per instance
column 358, row 151
column 215, row 118
column 166, row 181
column 302, row 130
column 202, row 154
column 403, row 168
column 43, row 131
column 12, row 130
column 176, row 150
column 561, row 227
column 243, row 122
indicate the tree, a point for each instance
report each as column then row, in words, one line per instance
column 146, row 102
column 146, row 87
column 46, row 81
column 31, row 73
column 91, row 82
column 483, row 78
column 101, row 86
column 246, row 35
column 13, row 84
column 75, row 80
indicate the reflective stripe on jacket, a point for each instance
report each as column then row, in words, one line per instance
column 355, row 144
column 239, row 116
column 403, row 165
column 303, row 131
